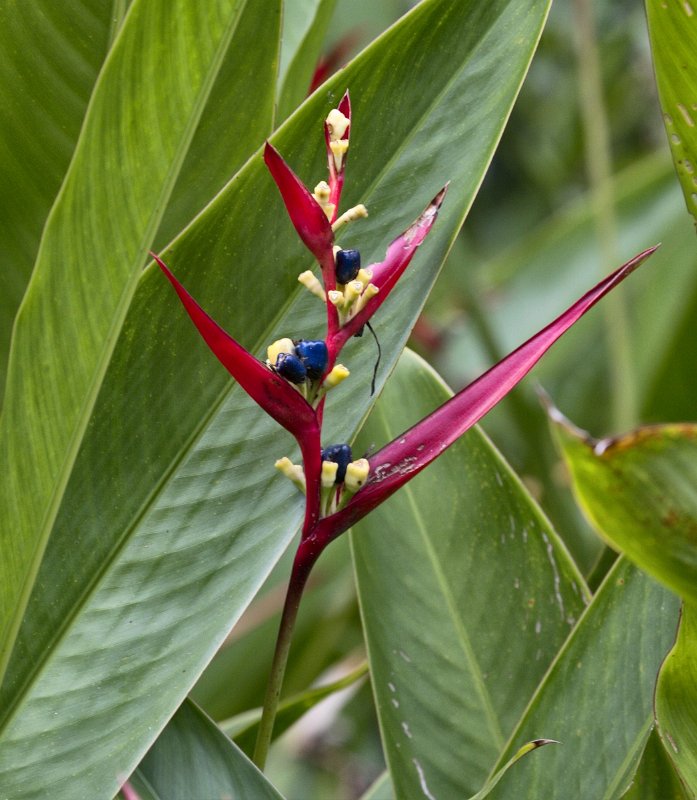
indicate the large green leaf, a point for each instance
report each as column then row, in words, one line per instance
column 597, row 697
column 640, row 492
column 192, row 758
column 170, row 516
column 50, row 55
column 673, row 32
column 305, row 24
column 466, row 596
column 676, row 700
column 512, row 294
column 655, row 775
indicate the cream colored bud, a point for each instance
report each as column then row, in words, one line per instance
column 292, row 471
column 356, row 475
column 338, row 374
column 352, row 292
column 337, row 124
column 365, row 276
column 336, row 298
column 273, row 351
column 368, row 293
column 338, row 151
column 311, row 283
column 321, row 193
column 357, row 212
column 328, row 477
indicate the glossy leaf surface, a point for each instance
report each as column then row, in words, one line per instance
column 640, row 492
column 676, row 700
column 655, row 775
column 673, row 32
column 192, row 758
column 466, row 596
column 597, row 698
column 182, row 460
column 52, row 54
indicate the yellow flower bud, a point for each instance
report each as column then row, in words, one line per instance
column 339, row 373
column 356, row 475
column 311, row 283
column 337, row 124
column 273, row 351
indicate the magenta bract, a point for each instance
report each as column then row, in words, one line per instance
column 306, row 214
column 404, row 457
column 387, row 272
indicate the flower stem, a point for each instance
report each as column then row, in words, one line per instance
column 304, row 560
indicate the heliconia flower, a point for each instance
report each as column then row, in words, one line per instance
column 404, row 457
column 383, row 276
column 337, row 132
column 306, row 214
column 266, row 387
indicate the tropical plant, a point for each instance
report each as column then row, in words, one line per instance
column 142, row 517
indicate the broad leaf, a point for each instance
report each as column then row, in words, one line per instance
column 640, row 492
column 380, row 790
column 466, row 596
column 305, row 24
column 673, row 32
column 192, row 758
column 655, row 776
column 596, row 699
column 181, row 461
column 676, row 700
column 52, row 54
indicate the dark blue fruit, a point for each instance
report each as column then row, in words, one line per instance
column 314, row 356
column 339, row 454
column 291, row 368
column 348, row 262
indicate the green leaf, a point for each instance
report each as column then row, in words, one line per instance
column 488, row 788
column 529, row 281
column 52, row 54
column 640, row 492
column 676, row 700
column 305, row 25
column 673, row 33
column 167, row 514
column 466, row 596
column 192, row 758
column 655, row 775
column 596, row 699
column 244, row 731
column 381, row 789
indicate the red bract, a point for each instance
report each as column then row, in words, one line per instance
column 305, row 213
column 387, row 272
column 404, row 457
column 274, row 394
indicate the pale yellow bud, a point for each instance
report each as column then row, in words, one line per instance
column 329, row 469
column 365, row 276
column 338, row 374
column 356, row 475
column 357, row 212
column 352, row 292
column 336, row 298
column 292, row 471
column 273, row 351
column 368, row 293
column 311, row 283
column 321, row 193
column 337, row 124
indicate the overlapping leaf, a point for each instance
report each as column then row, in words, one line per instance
column 167, row 515
column 597, row 697
column 640, row 492
column 673, row 32
column 466, row 596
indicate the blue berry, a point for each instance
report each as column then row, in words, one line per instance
column 291, row 368
column 314, row 356
column 348, row 262
column 339, row 454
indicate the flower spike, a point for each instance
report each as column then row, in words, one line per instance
column 337, row 132
column 306, row 214
column 384, row 276
column 275, row 395
column 404, row 457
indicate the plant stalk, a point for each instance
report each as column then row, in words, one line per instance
column 599, row 169
column 304, row 560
